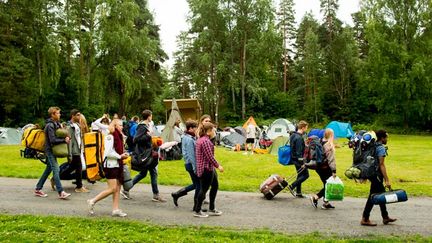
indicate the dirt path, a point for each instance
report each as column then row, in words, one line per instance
column 240, row 210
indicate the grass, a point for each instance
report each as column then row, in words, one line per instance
column 24, row 228
column 409, row 165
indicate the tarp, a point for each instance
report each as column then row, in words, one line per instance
column 341, row 129
column 278, row 142
column 168, row 132
column 251, row 120
column 233, row 139
column 280, row 127
column 317, row 132
column 10, row 135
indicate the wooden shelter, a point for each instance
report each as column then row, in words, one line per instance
column 190, row 109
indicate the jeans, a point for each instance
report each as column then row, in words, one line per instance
column 153, row 178
column 376, row 187
column 75, row 165
column 195, row 181
column 208, row 178
column 324, row 174
column 301, row 177
column 53, row 166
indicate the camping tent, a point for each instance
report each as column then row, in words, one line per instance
column 251, row 120
column 341, row 129
column 240, row 130
column 278, row 142
column 10, row 135
column 233, row 139
column 280, row 127
column 168, row 132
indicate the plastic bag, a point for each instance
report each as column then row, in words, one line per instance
column 334, row 189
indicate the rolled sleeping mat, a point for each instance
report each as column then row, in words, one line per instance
column 393, row 196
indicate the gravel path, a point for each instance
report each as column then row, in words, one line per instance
column 240, row 210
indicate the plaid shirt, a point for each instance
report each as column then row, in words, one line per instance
column 205, row 155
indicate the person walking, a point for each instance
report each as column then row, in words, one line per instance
column 206, row 164
column 326, row 168
column 142, row 141
column 52, row 124
column 188, row 151
column 297, row 149
column 113, row 168
column 75, row 150
column 377, row 182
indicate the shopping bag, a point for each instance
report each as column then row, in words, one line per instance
column 334, row 189
column 284, row 155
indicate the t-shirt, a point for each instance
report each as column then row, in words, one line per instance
column 250, row 131
column 381, row 150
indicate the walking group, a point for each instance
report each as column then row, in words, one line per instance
column 197, row 146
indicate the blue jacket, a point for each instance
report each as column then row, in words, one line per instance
column 297, row 146
column 188, row 150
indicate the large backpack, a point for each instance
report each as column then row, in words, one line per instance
column 34, row 138
column 94, row 152
column 365, row 162
column 314, row 151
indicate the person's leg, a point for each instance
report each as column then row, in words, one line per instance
column 183, row 191
column 301, row 177
column 44, row 176
column 76, row 161
column 116, row 196
column 153, row 180
column 55, row 169
column 141, row 175
column 112, row 184
column 324, row 174
column 375, row 187
column 205, row 181
column 213, row 190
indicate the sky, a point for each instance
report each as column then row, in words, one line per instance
column 171, row 16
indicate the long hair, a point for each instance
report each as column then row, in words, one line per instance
column 200, row 125
column 112, row 125
column 83, row 124
column 329, row 136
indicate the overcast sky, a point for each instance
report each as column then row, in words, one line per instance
column 170, row 15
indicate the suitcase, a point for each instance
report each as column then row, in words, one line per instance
column 392, row 196
column 272, row 186
column 93, row 153
column 275, row 184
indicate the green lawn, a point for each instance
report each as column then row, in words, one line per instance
column 25, row 228
column 409, row 165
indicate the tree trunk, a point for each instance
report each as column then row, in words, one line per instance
column 243, row 78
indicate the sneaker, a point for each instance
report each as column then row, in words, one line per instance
column 39, row 193
column 118, row 213
column 299, row 195
column 200, row 214
column 314, row 202
column 52, row 183
column 291, row 190
column 215, row 212
column 327, row 206
column 90, row 205
column 125, row 194
column 63, row 195
column 158, row 198
column 82, row 189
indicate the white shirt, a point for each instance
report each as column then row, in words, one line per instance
column 250, row 131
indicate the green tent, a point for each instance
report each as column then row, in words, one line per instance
column 278, row 142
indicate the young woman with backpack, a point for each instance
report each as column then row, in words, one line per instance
column 326, row 169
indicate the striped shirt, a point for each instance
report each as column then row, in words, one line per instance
column 205, row 156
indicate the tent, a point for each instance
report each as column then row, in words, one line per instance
column 341, row 129
column 10, row 136
column 168, row 132
column 240, row 130
column 280, row 127
column 278, row 142
column 251, row 120
column 233, row 139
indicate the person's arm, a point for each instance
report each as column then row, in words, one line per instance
column 384, row 172
column 209, row 154
column 331, row 158
column 186, row 149
column 298, row 143
column 109, row 148
column 99, row 125
column 50, row 132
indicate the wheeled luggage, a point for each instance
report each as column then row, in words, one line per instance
column 94, row 152
column 272, row 186
column 34, row 138
column 275, row 184
column 392, row 196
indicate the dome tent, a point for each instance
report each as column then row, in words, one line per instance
column 280, row 127
column 341, row 129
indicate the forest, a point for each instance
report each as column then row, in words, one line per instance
column 238, row 57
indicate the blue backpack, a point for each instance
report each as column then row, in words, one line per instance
column 284, row 155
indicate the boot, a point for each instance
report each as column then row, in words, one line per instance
column 388, row 220
column 176, row 195
column 367, row 222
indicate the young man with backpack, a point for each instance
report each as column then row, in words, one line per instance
column 142, row 141
column 297, row 149
column 52, row 124
column 377, row 181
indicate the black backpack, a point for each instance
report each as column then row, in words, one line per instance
column 365, row 159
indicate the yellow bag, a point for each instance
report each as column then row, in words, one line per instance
column 94, row 152
column 34, row 138
column 128, row 162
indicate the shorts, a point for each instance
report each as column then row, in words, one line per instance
column 113, row 173
column 250, row 140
